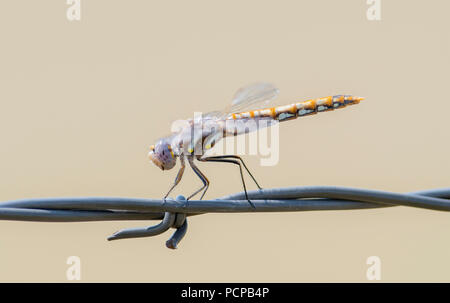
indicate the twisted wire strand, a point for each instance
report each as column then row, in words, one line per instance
column 265, row 200
column 56, row 215
column 174, row 213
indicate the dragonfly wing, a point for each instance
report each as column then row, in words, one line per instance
column 251, row 96
column 256, row 94
column 213, row 115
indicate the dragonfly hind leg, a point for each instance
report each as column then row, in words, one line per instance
column 243, row 163
column 224, row 160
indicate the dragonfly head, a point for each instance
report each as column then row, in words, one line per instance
column 162, row 155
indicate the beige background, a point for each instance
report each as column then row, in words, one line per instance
column 82, row 101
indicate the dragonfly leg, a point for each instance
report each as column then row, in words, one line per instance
column 243, row 163
column 201, row 176
column 177, row 179
column 214, row 159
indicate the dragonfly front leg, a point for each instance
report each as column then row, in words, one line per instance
column 177, row 179
column 201, row 176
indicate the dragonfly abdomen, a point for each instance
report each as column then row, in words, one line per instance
column 300, row 109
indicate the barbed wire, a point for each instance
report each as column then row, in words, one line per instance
column 173, row 213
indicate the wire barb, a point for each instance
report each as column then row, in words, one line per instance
column 175, row 220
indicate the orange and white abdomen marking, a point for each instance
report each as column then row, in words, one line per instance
column 300, row 109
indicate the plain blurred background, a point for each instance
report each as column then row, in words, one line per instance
column 81, row 102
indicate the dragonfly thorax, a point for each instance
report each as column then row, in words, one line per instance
column 162, row 155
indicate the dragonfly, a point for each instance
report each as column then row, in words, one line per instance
column 249, row 111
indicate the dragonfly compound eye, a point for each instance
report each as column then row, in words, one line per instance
column 162, row 156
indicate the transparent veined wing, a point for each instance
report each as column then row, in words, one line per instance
column 251, row 96
column 256, row 94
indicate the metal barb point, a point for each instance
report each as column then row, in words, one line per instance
column 170, row 219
